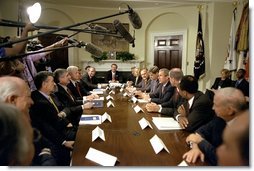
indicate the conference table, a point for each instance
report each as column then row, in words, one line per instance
column 125, row 139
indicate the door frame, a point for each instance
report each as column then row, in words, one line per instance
column 172, row 33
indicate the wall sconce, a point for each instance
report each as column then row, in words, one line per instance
column 34, row 12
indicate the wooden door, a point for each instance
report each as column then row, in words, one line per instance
column 58, row 58
column 168, row 51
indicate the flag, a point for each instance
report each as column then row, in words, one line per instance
column 230, row 62
column 199, row 64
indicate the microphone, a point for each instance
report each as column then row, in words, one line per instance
column 94, row 50
column 126, row 35
column 100, row 28
column 134, row 18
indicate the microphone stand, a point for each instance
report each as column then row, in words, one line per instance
column 8, row 58
column 61, row 28
column 9, row 23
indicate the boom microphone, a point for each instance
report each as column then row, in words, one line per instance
column 126, row 35
column 94, row 50
column 134, row 18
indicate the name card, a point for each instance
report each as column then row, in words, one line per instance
column 110, row 104
column 98, row 132
column 121, row 90
column 138, row 109
column 106, row 116
column 183, row 163
column 125, row 94
column 134, row 99
column 157, row 144
column 100, row 157
column 112, row 92
column 109, row 97
column 144, row 123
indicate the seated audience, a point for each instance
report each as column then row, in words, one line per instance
column 223, row 81
column 169, row 107
column 197, row 108
column 228, row 103
column 235, row 149
column 15, row 91
column 241, row 83
column 16, row 137
column 113, row 75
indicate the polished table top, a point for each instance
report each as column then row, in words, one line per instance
column 126, row 140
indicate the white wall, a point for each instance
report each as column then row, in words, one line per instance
column 216, row 20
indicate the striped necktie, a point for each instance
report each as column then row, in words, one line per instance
column 53, row 103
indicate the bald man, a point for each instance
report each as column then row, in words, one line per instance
column 234, row 150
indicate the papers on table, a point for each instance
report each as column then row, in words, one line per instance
column 90, row 120
column 144, row 123
column 105, row 116
column 109, row 104
column 109, row 97
column 121, row 90
column 142, row 101
column 157, row 144
column 115, row 84
column 85, row 99
column 183, row 163
column 137, row 109
column 166, row 123
column 96, row 102
column 98, row 132
column 100, row 157
column 97, row 91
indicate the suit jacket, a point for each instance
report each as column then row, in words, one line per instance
column 212, row 134
column 75, row 93
column 222, row 83
column 243, row 86
column 144, row 87
column 170, row 107
column 133, row 79
column 91, row 83
column 44, row 117
column 117, row 76
column 161, row 97
column 75, row 109
column 154, row 85
column 200, row 112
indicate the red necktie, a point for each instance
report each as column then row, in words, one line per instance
column 70, row 94
column 78, row 89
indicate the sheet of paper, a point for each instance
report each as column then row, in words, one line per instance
column 109, row 97
column 90, row 120
column 98, row 132
column 97, row 92
column 106, row 116
column 142, row 101
column 137, row 109
column 166, row 123
column 121, row 90
column 134, row 99
column 144, row 123
column 183, row 163
column 100, row 157
column 110, row 104
column 157, row 144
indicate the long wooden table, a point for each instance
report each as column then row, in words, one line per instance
column 126, row 140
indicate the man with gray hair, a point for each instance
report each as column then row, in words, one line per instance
column 228, row 104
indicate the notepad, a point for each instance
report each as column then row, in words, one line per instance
column 90, row 120
column 166, row 123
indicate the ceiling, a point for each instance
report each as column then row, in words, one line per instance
column 136, row 4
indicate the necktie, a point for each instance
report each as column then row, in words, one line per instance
column 162, row 89
column 187, row 108
column 70, row 94
column 78, row 89
column 53, row 103
column 113, row 76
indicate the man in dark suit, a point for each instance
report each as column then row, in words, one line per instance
column 145, row 84
column 135, row 78
column 241, row 83
column 113, row 75
column 197, row 108
column 154, row 75
column 228, row 103
column 61, row 77
column 47, row 115
column 76, row 88
column 90, row 79
column 170, row 107
column 164, row 91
